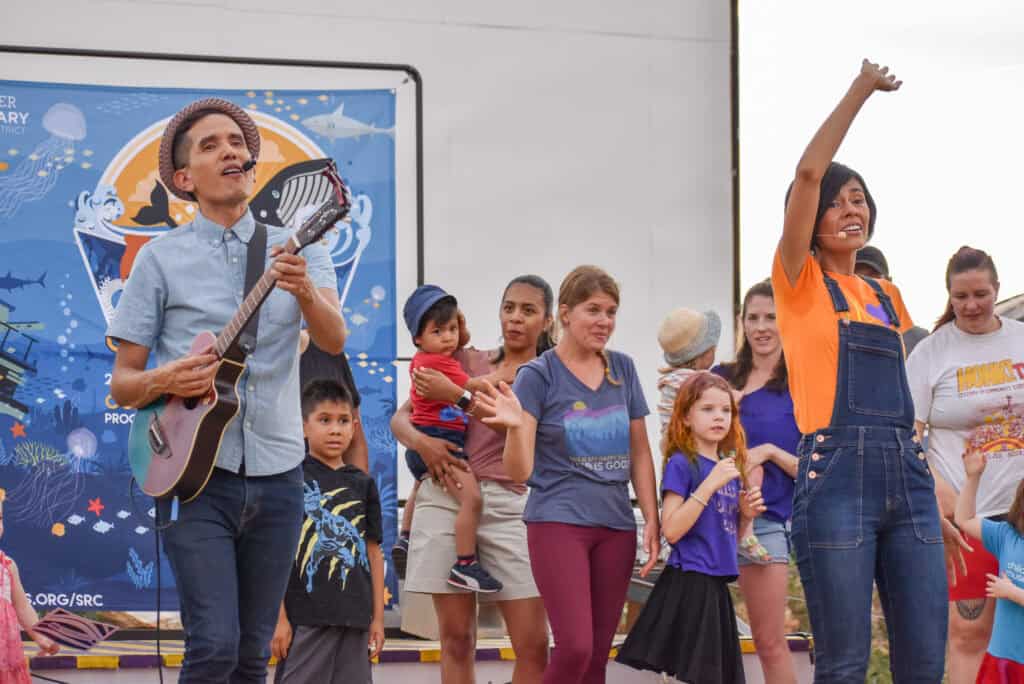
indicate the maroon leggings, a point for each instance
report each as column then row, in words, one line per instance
column 582, row 574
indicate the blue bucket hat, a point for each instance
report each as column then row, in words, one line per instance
column 419, row 302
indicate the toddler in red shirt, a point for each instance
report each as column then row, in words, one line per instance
column 438, row 331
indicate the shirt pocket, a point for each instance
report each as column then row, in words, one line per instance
column 282, row 308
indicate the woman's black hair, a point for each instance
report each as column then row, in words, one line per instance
column 545, row 341
column 834, row 179
column 738, row 372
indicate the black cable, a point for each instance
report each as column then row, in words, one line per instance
column 157, row 529
column 156, row 536
column 47, row 679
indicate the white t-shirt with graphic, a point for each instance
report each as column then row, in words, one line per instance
column 969, row 389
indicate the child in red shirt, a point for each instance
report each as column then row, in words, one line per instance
column 438, row 331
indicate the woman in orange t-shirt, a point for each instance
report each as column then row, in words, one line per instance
column 864, row 508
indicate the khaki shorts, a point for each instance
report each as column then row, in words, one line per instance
column 500, row 540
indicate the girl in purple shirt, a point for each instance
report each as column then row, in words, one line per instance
column 687, row 628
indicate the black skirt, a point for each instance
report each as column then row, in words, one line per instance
column 687, row 629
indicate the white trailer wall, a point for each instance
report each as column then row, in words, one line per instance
column 556, row 132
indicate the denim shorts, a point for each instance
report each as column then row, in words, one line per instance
column 412, row 459
column 773, row 536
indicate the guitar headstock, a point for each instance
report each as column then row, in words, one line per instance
column 330, row 212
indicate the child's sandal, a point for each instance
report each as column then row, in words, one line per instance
column 754, row 551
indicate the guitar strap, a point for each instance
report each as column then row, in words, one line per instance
column 255, row 263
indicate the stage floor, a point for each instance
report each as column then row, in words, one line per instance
column 404, row 661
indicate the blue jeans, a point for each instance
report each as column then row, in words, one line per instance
column 864, row 509
column 231, row 552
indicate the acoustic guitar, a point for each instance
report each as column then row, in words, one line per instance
column 173, row 443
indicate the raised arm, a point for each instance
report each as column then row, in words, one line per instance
column 320, row 306
column 504, row 410
column 966, row 508
column 798, row 228
column 678, row 514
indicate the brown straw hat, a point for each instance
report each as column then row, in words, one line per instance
column 211, row 105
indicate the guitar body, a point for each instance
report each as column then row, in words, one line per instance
column 173, row 443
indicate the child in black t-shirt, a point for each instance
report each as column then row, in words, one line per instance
column 334, row 607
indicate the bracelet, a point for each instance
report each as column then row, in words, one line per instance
column 699, row 500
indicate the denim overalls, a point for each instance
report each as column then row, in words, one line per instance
column 864, row 510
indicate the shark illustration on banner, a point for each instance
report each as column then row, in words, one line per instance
column 79, row 196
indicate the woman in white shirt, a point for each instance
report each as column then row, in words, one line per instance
column 967, row 381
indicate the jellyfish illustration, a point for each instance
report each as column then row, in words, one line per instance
column 50, row 488
column 81, row 447
column 37, row 174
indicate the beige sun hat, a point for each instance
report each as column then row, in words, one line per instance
column 685, row 334
column 212, row 104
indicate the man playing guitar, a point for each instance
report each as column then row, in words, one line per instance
column 231, row 547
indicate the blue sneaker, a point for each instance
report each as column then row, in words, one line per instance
column 474, row 578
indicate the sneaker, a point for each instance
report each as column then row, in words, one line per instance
column 400, row 556
column 474, row 578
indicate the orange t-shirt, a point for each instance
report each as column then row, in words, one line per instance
column 809, row 326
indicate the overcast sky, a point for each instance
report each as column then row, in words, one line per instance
column 942, row 156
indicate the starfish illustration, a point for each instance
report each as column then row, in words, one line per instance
column 96, row 506
column 18, row 430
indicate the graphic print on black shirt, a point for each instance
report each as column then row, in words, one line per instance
column 330, row 583
column 330, row 537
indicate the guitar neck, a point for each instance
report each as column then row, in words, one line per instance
column 317, row 224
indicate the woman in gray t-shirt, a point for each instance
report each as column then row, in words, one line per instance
column 575, row 432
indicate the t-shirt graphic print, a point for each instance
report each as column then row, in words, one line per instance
column 328, row 537
column 1001, row 433
column 598, row 439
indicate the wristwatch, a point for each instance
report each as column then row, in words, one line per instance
column 465, row 400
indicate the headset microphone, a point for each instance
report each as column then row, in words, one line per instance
column 248, row 166
column 838, row 235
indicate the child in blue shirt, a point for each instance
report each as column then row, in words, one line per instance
column 687, row 628
column 1004, row 660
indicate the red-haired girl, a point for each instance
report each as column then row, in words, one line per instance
column 687, row 629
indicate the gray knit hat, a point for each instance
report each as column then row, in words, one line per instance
column 212, row 104
column 685, row 334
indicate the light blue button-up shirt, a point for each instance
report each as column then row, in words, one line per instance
column 192, row 279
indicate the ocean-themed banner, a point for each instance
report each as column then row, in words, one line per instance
column 79, row 195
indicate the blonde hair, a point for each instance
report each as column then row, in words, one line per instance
column 582, row 283
column 679, row 437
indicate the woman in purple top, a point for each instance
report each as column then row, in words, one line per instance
column 687, row 628
column 766, row 413
column 575, row 430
